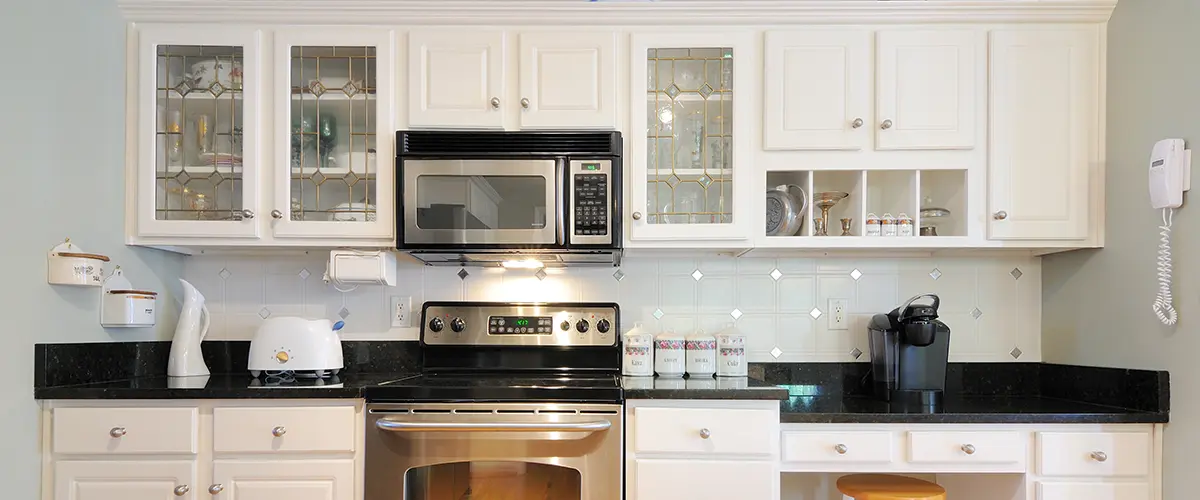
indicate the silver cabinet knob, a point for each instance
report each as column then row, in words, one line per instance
column 841, row 449
column 247, row 213
column 275, row 214
column 1099, row 456
column 858, row 122
column 1001, row 215
column 495, row 103
column 117, row 432
column 886, row 124
column 525, row 102
column 182, row 490
column 278, row 431
column 637, row 216
column 705, row 434
column 216, row 488
column 968, row 449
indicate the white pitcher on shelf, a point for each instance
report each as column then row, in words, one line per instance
column 186, row 358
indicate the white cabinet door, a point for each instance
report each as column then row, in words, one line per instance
column 1044, row 87
column 198, row 131
column 456, row 78
column 333, row 157
column 818, row 89
column 927, row 88
column 568, row 79
column 126, row 480
column 704, row 480
column 1093, row 491
column 279, row 479
column 690, row 158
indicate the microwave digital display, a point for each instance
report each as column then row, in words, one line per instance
column 590, row 166
column 504, row 325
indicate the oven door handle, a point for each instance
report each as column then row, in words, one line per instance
column 398, row 426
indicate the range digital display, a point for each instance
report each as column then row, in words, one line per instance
column 520, row 325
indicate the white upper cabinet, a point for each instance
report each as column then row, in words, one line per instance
column 927, row 88
column 818, row 89
column 198, row 132
column 456, row 78
column 1044, row 102
column 568, row 79
column 333, row 172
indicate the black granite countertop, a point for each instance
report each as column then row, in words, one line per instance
column 701, row 388
column 960, row 410
column 223, row 386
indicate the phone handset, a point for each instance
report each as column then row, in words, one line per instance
column 1170, row 176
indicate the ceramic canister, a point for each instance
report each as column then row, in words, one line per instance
column 701, row 355
column 638, row 360
column 731, row 354
column 669, row 355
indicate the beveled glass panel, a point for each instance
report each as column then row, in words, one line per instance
column 198, row 146
column 499, row 480
column 689, row 97
column 332, row 160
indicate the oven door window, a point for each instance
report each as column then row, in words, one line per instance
column 492, row 481
column 481, row 202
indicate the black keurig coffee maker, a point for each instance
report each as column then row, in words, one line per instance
column 909, row 350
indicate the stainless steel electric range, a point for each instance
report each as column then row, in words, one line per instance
column 523, row 399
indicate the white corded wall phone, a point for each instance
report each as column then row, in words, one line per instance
column 1170, row 176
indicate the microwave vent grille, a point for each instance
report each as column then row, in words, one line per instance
column 481, row 143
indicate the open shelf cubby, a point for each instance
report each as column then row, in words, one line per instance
column 892, row 193
column 944, row 189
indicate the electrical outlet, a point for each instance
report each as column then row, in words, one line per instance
column 838, row 319
column 401, row 312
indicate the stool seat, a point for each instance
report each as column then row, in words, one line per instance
column 888, row 487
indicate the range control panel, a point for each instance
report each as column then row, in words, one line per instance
column 535, row 324
column 591, row 198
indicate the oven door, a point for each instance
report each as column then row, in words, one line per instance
column 483, row 203
column 480, row 450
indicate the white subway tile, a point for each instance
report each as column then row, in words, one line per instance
column 797, row 294
column 677, row 294
column 716, row 294
column 756, row 293
column 876, row 293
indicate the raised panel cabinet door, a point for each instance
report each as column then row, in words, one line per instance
column 198, row 131
column 927, row 88
column 333, row 173
column 456, row 78
column 282, row 479
column 126, row 480
column 704, row 480
column 1044, row 88
column 568, row 80
column 818, row 89
column 1092, row 491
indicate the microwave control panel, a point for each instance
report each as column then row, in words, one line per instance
column 591, row 218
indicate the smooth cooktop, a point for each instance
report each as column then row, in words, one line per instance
column 494, row 387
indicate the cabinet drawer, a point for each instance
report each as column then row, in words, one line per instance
column 838, row 447
column 1093, row 453
column 967, row 447
column 265, row 430
column 1093, row 491
column 683, row 430
column 124, row 430
column 704, row 480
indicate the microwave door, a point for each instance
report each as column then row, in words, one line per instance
column 481, row 202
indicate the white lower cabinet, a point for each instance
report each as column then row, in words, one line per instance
column 704, row 480
column 1093, row 491
column 124, row 479
column 291, row 480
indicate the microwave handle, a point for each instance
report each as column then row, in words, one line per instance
column 560, row 218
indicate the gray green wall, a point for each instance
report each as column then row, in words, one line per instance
column 1096, row 304
column 62, row 154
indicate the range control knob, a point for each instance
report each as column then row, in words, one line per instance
column 564, row 325
column 436, row 324
column 458, row 325
column 603, row 325
column 582, row 326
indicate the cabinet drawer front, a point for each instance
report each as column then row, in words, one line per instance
column 1093, row 453
column 125, row 430
column 967, row 447
column 682, row 430
column 1093, row 491
column 702, row 479
column 253, row 430
column 838, row 447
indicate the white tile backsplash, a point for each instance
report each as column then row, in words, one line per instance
column 774, row 299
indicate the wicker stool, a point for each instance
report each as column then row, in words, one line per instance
column 888, row 487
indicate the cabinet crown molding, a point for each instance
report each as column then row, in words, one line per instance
column 616, row 12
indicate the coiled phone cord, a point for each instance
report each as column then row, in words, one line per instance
column 1162, row 302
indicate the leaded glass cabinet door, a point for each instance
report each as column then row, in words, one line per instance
column 334, row 134
column 198, row 131
column 689, row 134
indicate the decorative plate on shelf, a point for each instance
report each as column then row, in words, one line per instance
column 220, row 159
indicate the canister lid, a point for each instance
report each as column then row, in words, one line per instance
column 93, row 256
column 133, row 292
